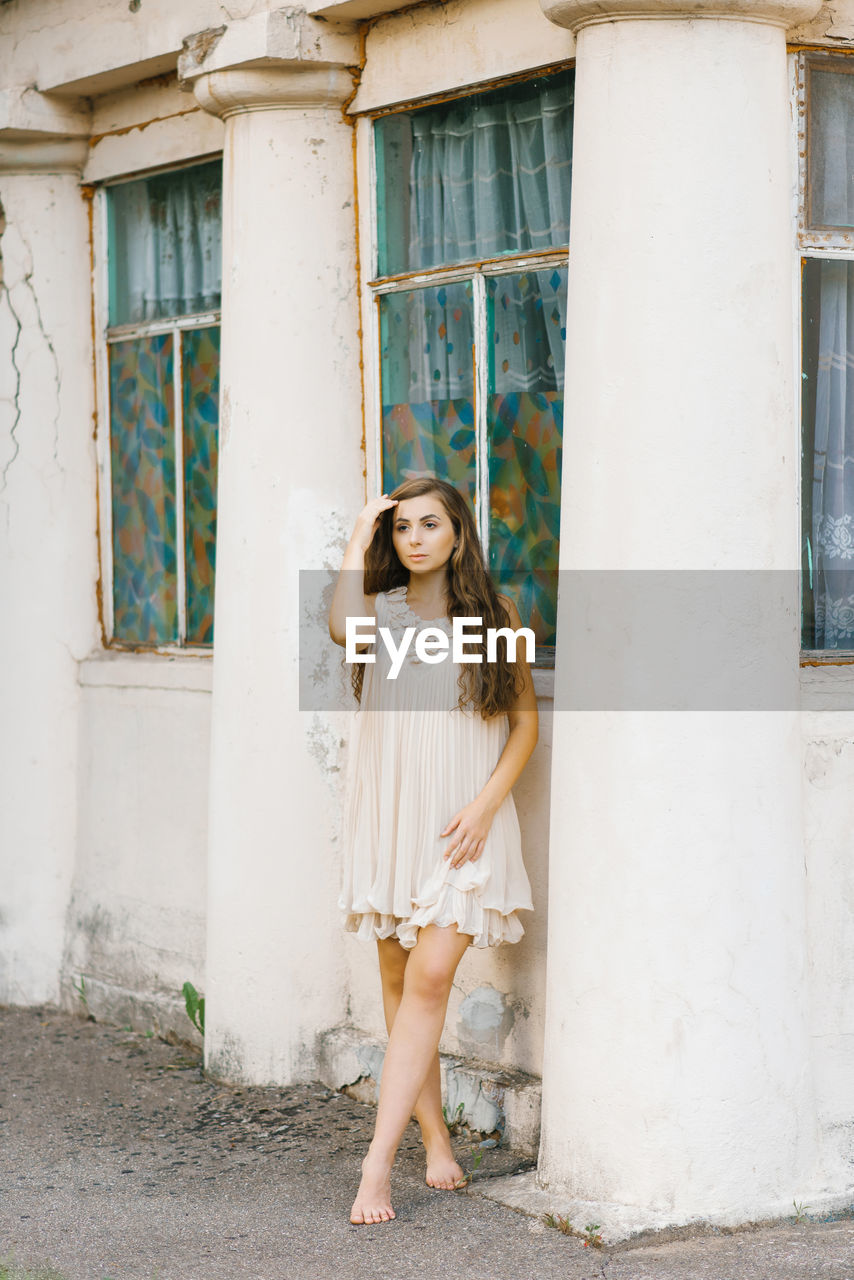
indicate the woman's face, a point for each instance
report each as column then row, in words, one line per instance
column 423, row 534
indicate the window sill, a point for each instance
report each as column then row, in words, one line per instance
column 828, row 686
column 544, row 683
column 119, row 669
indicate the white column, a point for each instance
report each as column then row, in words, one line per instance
column 48, row 549
column 290, row 470
column 677, row 1072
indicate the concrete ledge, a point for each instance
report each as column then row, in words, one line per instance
column 621, row 1224
column 155, row 1011
column 118, row 669
column 506, row 1103
column 354, row 10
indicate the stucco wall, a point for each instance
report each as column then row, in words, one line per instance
column 136, row 920
column 828, row 737
column 48, row 563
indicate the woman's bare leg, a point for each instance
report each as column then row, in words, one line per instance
column 443, row 1172
column 412, row 1045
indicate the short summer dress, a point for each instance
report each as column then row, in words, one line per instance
column 415, row 759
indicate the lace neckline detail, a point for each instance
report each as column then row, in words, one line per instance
column 397, row 595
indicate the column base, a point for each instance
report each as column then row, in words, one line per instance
column 621, row 1224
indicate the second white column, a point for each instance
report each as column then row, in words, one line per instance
column 290, row 465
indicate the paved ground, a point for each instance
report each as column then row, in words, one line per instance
column 118, row 1159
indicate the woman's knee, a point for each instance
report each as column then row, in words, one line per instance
column 429, row 977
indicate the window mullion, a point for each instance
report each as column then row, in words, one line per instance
column 481, row 393
column 178, row 402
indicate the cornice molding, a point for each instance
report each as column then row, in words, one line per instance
column 25, row 154
column 575, row 14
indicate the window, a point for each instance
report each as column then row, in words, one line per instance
column 470, row 290
column 826, row 85
column 162, row 372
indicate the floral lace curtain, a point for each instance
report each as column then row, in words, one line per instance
column 832, row 534
column 831, row 204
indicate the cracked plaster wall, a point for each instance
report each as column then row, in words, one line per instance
column 48, row 564
column 828, row 789
column 136, row 919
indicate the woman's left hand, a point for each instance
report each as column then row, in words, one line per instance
column 470, row 827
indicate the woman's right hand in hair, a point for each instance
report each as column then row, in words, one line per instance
column 349, row 599
column 367, row 521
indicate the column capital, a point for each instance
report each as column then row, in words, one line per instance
column 279, row 59
column 575, row 14
column 237, row 89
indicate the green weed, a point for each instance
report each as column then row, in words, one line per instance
column 453, row 1125
column 195, row 1007
column 591, row 1235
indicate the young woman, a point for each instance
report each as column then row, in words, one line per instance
column 432, row 859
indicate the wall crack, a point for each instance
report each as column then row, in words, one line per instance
column 6, row 289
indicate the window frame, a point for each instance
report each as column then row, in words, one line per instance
column 830, row 244
column 106, row 335
column 478, row 270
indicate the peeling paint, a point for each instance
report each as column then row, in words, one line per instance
column 196, row 48
column 326, row 747
column 484, row 1022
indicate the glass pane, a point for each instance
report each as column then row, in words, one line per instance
column 476, row 177
column 165, row 244
column 828, row 454
column 527, row 322
column 200, row 366
column 142, row 460
column 427, row 372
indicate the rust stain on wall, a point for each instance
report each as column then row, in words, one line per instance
column 129, row 128
column 88, row 194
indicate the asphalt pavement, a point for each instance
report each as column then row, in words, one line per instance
column 120, row 1159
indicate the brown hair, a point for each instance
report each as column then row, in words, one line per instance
column 492, row 687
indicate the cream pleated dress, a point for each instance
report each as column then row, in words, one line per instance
column 415, row 759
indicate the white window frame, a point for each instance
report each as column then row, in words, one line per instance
column 476, row 270
column 106, row 336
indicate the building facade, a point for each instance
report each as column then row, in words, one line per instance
column 587, row 259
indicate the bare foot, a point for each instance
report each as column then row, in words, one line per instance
column 373, row 1199
column 443, row 1171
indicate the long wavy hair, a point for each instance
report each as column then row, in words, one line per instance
column 491, row 687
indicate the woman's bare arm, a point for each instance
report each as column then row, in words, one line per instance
column 349, row 600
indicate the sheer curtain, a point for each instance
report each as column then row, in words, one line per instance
column 166, row 245
column 490, row 176
column 833, row 462
column 831, row 187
